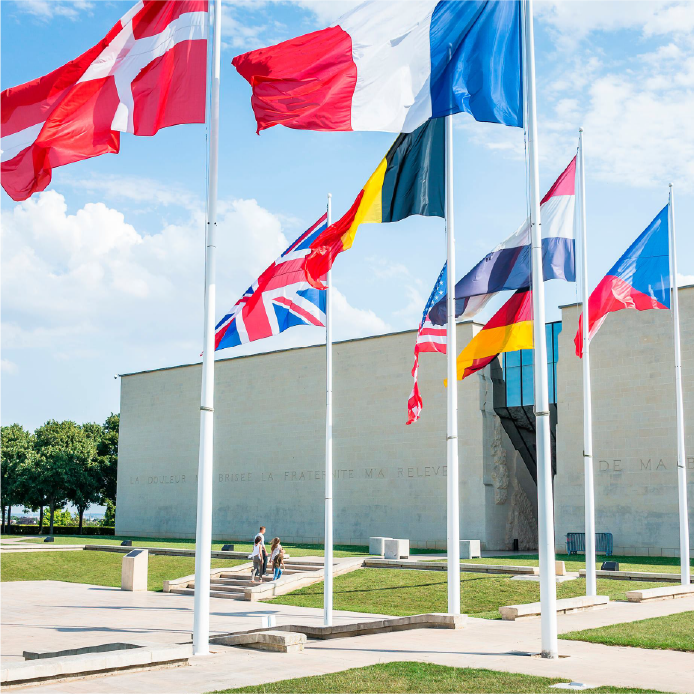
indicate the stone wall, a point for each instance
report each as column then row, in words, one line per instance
column 634, row 428
column 390, row 479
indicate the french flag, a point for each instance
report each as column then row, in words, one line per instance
column 390, row 66
column 640, row 279
column 508, row 266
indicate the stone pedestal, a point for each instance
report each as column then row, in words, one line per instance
column 377, row 545
column 396, row 549
column 470, row 549
column 560, row 568
column 134, row 570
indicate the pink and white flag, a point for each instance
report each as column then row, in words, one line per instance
column 148, row 73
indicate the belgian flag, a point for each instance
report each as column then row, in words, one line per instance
column 409, row 180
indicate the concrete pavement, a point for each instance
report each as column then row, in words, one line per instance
column 39, row 615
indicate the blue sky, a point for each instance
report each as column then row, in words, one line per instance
column 103, row 273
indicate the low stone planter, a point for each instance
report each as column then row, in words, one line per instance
column 566, row 606
column 280, row 641
column 93, row 660
column 653, row 594
column 635, row 576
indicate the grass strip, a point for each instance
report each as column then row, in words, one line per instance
column 422, row 677
column 95, row 568
column 400, row 592
column 673, row 632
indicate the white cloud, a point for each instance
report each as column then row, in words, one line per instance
column 684, row 280
column 137, row 189
column 48, row 9
column 89, row 284
column 8, row 367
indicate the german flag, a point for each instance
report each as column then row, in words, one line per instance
column 509, row 329
column 409, row 180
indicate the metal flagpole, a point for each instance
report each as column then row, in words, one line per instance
column 589, row 488
column 328, row 559
column 453, row 493
column 681, row 458
column 548, row 588
column 203, row 530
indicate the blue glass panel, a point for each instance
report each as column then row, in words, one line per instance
column 513, row 386
column 513, row 359
column 550, row 383
column 527, row 383
column 550, row 343
column 527, row 357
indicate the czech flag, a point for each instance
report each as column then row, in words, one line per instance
column 508, row 330
column 640, row 279
column 390, row 66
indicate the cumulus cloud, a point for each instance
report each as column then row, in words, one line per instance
column 48, row 9
column 89, row 283
column 8, row 367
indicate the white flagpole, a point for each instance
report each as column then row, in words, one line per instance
column 453, row 493
column 328, row 559
column 203, row 530
column 681, row 458
column 589, row 488
column 545, row 507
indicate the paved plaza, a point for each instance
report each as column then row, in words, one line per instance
column 43, row 615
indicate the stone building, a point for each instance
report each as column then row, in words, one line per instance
column 390, row 479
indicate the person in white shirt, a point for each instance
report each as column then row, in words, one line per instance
column 257, row 559
column 263, row 553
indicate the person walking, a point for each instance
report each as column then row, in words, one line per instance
column 277, row 558
column 257, row 559
column 263, row 550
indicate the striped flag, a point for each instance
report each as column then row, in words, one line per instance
column 508, row 330
column 148, row 73
column 390, row 66
column 430, row 338
column 409, row 180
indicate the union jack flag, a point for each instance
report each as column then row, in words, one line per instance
column 430, row 338
column 279, row 299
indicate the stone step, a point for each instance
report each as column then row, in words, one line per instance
column 213, row 593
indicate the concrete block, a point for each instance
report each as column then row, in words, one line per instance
column 377, row 545
column 280, row 641
column 470, row 549
column 134, row 570
column 560, row 568
column 666, row 593
column 565, row 606
column 396, row 549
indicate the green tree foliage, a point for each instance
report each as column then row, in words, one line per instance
column 107, row 450
column 17, row 457
column 63, row 452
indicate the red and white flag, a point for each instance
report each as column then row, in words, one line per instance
column 149, row 72
column 430, row 338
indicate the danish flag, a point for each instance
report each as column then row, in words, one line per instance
column 148, row 73
column 430, row 338
column 279, row 299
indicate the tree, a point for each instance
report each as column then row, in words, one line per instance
column 17, row 453
column 86, row 486
column 63, row 451
column 107, row 450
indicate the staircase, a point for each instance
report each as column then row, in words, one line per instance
column 236, row 583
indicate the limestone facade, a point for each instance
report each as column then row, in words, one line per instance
column 390, row 479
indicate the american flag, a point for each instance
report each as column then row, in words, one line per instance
column 430, row 338
column 279, row 299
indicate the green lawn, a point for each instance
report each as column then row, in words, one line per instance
column 674, row 632
column 401, row 592
column 296, row 550
column 422, row 677
column 576, row 562
column 96, row 568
